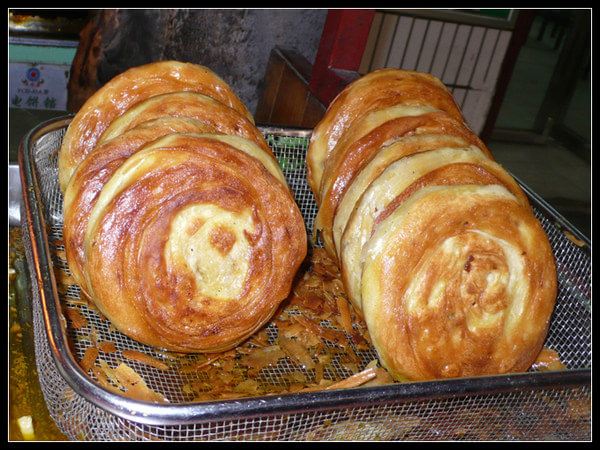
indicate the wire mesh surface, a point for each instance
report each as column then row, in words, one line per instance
column 561, row 412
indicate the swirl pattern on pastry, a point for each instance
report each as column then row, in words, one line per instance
column 129, row 88
column 95, row 171
column 213, row 115
column 458, row 281
column 192, row 244
column 380, row 89
column 377, row 164
column 437, row 245
column 442, row 166
column 360, row 144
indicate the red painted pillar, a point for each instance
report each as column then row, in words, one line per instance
column 340, row 51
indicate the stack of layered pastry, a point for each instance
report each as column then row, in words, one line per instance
column 439, row 249
column 178, row 222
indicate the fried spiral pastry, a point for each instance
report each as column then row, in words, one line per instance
column 458, row 281
column 178, row 221
column 367, row 137
column 192, row 244
column 438, row 247
column 129, row 88
column 213, row 115
column 443, row 166
column 377, row 90
column 94, row 172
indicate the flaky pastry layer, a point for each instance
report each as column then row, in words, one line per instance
column 129, row 88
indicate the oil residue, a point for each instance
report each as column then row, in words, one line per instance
column 26, row 398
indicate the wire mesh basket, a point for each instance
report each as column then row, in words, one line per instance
column 535, row 405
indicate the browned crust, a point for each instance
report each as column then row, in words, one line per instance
column 128, row 89
column 94, row 172
column 126, row 263
column 349, row 157
column 451, row 175
column 377, row 90
column 419, row 346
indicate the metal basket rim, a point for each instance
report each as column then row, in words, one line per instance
column 191, row 413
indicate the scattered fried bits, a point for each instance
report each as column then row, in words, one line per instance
column 107, row 347
column 260, row 358
column 372, row 375
column 571, row 237
column 314, row 342
column 89, row 358
column 548, row 360
column 77, row 319
column 143, row 358
column 135, row 387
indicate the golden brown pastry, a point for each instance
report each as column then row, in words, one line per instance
column 192, row 244
column 377, row 90
column 213, row 115
column 94, row 172
column 458, row 281
column 129, row 88
column 365, row 139
column 438, row 247
column 442, row 166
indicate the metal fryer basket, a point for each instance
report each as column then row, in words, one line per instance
column 533, row 405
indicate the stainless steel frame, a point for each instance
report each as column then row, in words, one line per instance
column 14, row 195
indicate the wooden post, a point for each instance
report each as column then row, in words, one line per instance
column 340, row 51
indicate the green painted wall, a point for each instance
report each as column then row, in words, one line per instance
column 39, row 54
